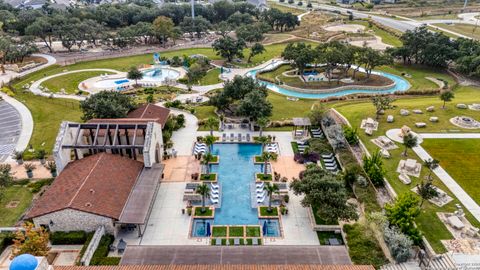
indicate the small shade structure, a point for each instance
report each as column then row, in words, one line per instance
column 301, row 127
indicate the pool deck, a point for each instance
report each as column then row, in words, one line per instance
column 208, row 255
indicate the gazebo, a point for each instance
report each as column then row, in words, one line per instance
column 301, row 127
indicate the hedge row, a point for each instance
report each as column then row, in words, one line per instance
column 6, row 239
column 100, row 255
column 69, row 238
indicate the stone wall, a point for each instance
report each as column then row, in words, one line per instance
column 153, row 144
column 74, row 220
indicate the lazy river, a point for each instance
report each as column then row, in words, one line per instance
column 400, row 85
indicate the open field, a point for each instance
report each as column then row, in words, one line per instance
column 70, row 82
column 212, row 77
column 292, row 8
column 15, row 194
column 460, row 158
column 464, row 29
column 428, row 222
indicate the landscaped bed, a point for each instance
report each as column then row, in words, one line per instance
column 363, row 246
column 208, row 177
column 263, row 211
column 263, row 177
column 208, row 212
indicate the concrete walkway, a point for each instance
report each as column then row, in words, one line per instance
column 183, row 138
column 25, row 115
column 443, row 175
column 35, row 87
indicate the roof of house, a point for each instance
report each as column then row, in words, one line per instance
column 98, row 184
column 220, row 267
column 151, row 111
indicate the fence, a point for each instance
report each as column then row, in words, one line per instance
column 92, row 246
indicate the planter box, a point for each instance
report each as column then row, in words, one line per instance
column 213, row 177
column 210, row 212
column 258, row 160
column 260, row 177
column 262, row 212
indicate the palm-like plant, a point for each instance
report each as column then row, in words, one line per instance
column 270, row 189
column 209, row 141
column 211, row 123
column 262, row 123
column 409, row 141
column 203, row 190
column 266, row 157
column 263, row 140
column 207, row 159
column 431, row 164
column 426, row 191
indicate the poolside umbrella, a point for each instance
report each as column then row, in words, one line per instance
column 264, row 229
column 208, row 229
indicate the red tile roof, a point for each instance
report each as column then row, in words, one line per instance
column 151, row 111
column 98, row 184
column 219, row 267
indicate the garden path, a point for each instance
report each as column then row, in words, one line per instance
column 443, row 175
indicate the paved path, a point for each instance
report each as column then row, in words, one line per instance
column 35, row 87
column 443, row 175
column 183, row 138
column 25, row 115
column 208, row 255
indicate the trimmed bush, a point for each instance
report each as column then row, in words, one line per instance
column 100, row 255
column 68, row 238
column 6, row 239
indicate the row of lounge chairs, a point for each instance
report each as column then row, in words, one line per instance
column 317, row 133
column 236, row 242
column 330, row 163
column 199, row 148
column 272, row 148
column 302, row 145
column 239, row 137
column 260, row 191
column 214, row 193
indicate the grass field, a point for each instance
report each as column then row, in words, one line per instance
column 11, row 194
column 428, row 222
column 292, row 8
column 460, row 158
column 468, row 30
column 70, row 82
column 211, row 77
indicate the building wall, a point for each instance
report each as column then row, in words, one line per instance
column 153, row 137
column 65, row 136
column 74, row 220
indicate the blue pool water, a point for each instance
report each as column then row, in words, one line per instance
column 199, row 227
column 236, row 172
column 270, row 227
column 121, row 81
column 400, row 85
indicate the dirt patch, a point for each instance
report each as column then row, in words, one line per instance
column 350, row 28
column 12, row 204
column 376, row 43
column 311, row 26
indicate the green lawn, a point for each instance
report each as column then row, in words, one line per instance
column 428, row 222
column 208, row 212
column 235, row 231
column 468, row 30
column 219, row 231
column 211, row 77
column 292, row 9
column 9, row 216
column 253, row 231
column 460, row 158
column 70, row 82
column 387, row 38
column 418, row 74
column 264, row 211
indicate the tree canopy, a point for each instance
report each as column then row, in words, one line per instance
column 106, row 104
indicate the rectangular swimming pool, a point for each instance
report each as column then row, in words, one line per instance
column 236, row 172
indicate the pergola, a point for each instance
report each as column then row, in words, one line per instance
column 301, row 126
column 111, row 134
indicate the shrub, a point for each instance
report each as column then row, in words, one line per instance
column 6, row 239
column 109, row 261
column 68, row 238
column 37, row 186
column 363, row 246
column 351, row 135
column 102, row 250
column 399, row 244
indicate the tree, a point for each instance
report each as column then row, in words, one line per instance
column 198, row 25
column 326, row 193
column 399, row 244
column 254, row 106
column 267, row 157
column 262, row 140
column 163, row 29
column 409, row 141
column 134, row 74
column 43, row 29
column 256, row 49
column 270, row 189
column 431, row 165
column 262, row 123
column 209, row 141
column 106, row 104
column 211, row 123
column 446, row 96
column 300, row 54
column 427, row 191
column 402, row 214
column 206, row 160
column 381, row 103
column 372, row 59
column 6, row 177
column 229, row 48
column 32, row 241
column 204, row 191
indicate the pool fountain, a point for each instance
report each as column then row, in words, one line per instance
column 465, row 122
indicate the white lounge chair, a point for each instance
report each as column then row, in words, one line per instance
column 261, row 184
column 261, row 200
column 214, row 201
column 214, row 186
column 261, row 195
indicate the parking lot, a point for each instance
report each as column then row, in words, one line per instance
column 10, row 127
